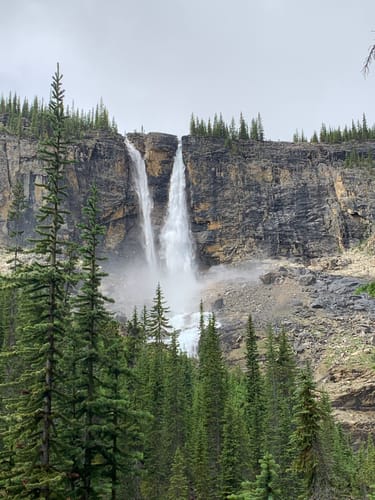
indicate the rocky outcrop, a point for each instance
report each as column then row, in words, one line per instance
column 277, row 199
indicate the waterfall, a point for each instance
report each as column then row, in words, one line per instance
column 175, row 238
column 176, row 247
column 145, row 204
column 174, row 267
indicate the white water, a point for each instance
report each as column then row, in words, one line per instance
column 174, row 268
column 145, row 205
column 176, row 247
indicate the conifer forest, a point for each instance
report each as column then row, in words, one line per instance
column 95, row 408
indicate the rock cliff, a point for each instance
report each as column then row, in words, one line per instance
column 100, row 158
column 252, row 198
column 277, row 199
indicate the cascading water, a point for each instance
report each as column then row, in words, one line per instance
column 145, row 204
column 177, row 271
column 176, row 246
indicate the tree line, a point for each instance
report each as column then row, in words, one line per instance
column 358, row 131
column 31, row 119
column 218, row 128
column 92, row 408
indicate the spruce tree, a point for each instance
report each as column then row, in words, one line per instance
column 234, row 456
column 255, row 397
column 91, row 320
column 311, row 459
column 37, row 468
column 15, row 220
column 243, row 132
column 178, row 485
column 267, row 484
column 158, row 326
column 210, row 404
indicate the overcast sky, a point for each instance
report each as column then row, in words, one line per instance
column 154, row 62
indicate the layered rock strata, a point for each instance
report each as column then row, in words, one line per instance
column 246, row 199
column 277, row 199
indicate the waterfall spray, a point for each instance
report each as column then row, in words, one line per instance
column 145, row 204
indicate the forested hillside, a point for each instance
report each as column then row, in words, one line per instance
column 95, row 409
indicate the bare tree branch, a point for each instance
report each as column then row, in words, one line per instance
column 368, row 60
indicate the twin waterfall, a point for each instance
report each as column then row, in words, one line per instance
column 173, row 265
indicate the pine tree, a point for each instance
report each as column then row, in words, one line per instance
column 91, row 320
column 254, row 132
column 15, row 219
column 135, row 339
column 210, row 405
column 178, row 485
column 234, row 450
column 286, row 386
column 314, row 137
column 243, row 132
column 37, row 468
column 266, row 485
column 158, row 327
column 193, row 130
column 255, row 397
column 121, row 422
column 177, row 401
column 311, row 459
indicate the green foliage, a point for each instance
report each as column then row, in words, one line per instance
column 32, row 119
column 208, row 413
column 358, row 131
column 255, row 397
column 158, row 327
column 369, row 288
column 266, row 484
column 15, row 219
column 36, row 465
column 179, row 485
column 231, row 132
column 93, row 409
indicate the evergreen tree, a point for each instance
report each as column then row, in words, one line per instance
column 314, row 137
column 37, row 468
column 266, row 485
column 193, row 129
column 177, row 402
column 210, row 407
column 158, row 327
column 179, row 485
column 310, row 458
column 15, row 219
column 234, row 458
column 91, row 320
column 135, row 339
column 255, row 397
column 243, row 132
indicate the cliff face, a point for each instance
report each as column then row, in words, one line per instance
column 100, row 158
column 277, row 199
column 272, row 199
